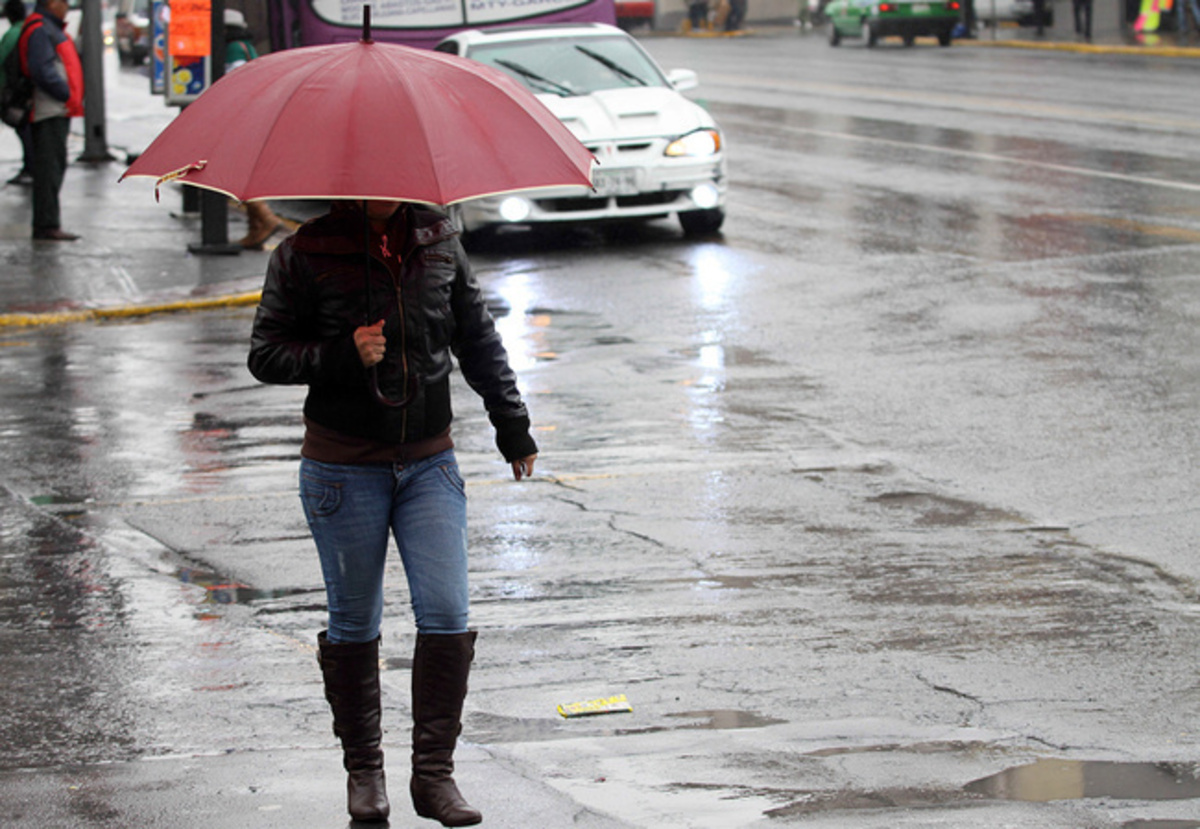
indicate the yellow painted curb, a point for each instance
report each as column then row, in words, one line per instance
column 129, row 311
column 1088, row 48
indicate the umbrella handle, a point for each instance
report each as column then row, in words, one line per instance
column 410, row 393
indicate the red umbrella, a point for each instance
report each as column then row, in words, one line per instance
column 366, row 120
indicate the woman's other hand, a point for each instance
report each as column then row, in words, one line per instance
column 524, row 467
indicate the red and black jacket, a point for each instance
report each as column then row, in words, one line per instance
column 49, row 58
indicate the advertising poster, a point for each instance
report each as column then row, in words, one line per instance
column 159, row 12
column 189, row 40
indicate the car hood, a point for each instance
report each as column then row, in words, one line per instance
column 618, row 114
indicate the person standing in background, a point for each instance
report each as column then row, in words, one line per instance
column 49, row 58
column 1181, row 10
column 1083, row 17
column 14, row 10
column 239, row 50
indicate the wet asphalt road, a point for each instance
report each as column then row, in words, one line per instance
column 879, row 508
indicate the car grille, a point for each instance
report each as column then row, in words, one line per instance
column 628, row 147
column 582, row 204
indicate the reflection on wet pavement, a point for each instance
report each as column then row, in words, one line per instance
column 1053, row 779
column 496, row 728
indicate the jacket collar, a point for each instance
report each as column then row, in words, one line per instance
column 46, row 14
column 340, row 231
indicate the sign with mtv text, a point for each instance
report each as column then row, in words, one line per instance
column 436, row 14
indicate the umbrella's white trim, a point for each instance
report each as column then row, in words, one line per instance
column 177, row 177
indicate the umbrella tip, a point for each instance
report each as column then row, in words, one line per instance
column 366, row 35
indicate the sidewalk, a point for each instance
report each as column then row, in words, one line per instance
column 281, row 788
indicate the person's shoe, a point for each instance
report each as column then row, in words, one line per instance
column 351, row 674
column 255, row 239
column 24, row 177
column 54, row 234
column 441, row 665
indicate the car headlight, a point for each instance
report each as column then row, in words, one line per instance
column 695, row 144
column 515, row 209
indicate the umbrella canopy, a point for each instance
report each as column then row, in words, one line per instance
column 366, row 120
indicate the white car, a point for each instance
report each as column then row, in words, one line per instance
column 659, row 153
column 1020, row 11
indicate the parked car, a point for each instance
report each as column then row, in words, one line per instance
column 634, row 13
column 133, row 31
column 907, row 19
column 659, row 153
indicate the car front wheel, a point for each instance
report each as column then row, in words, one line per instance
column 835, row 37
column 702, row 222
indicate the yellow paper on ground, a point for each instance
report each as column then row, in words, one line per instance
column 616, row 704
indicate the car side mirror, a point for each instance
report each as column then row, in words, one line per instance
column 683, row 79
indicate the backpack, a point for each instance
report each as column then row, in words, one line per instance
column 16, row 93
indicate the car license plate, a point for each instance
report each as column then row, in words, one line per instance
column 920, row 8
column 615, row 182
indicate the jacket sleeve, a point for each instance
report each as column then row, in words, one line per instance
column 285, row 344
column 43, row 66
column 483, row 361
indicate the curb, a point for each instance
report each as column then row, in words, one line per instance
column 128, row 311
column 1089, row 48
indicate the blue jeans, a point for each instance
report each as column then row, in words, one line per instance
column 350, row 511
column 1181, row 12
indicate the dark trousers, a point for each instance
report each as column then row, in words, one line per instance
column 49, row 168
column 25, row 131
column 737, row 14
column 1083, row 17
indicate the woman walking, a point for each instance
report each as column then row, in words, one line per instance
column 378, row 459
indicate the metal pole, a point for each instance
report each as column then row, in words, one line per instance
column 214, row 207
column 95, row 144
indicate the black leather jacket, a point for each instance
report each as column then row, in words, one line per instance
column 315, row 296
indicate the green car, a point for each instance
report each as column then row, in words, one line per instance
column 907, row 19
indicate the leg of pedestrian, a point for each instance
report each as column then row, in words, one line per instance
column 49, row 169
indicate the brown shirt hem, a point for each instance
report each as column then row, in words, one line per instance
column 329, row 446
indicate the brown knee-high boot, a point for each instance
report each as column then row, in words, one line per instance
column 351, row 673
column 439, row 679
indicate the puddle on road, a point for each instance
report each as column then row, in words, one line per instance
column 941, row 511
column 1049, row 779
column 725, row 719
column 496, row 728
column 220, row 590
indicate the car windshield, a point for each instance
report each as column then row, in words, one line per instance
column 572, row 66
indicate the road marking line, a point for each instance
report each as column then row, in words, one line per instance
column 1002, row 159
